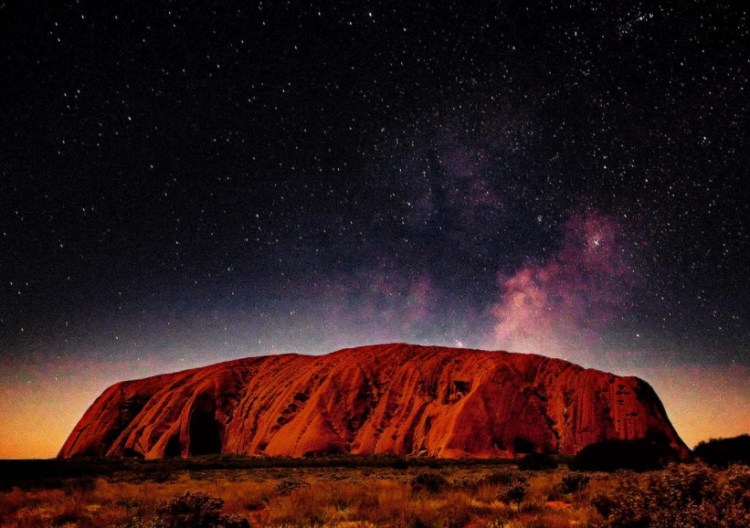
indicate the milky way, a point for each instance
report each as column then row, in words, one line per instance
column 561, row 306
column 186, row 184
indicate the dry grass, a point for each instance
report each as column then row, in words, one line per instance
column 323, row 497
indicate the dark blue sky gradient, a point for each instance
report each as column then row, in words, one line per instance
column 185, row 183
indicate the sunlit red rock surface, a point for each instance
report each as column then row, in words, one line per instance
column 396, row 399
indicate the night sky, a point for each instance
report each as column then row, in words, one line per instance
column 183, row 183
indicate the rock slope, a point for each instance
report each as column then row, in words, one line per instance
column 382, row 399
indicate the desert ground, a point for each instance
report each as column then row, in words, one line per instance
column 234, row 492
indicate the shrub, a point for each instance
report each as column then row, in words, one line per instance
column 574, row 482
column 515, row 494
column 503, row 478
column 537, row 462
column 196, row 510
column 724, row 451
column 430, row 482
column 738, row 487
column 286, row 486
column 71, row 514
column 687, row 496
column 611, row 455
column 79, row 485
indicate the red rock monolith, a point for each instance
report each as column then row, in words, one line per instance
column 383, row 399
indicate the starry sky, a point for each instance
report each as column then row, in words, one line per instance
column 183, row 183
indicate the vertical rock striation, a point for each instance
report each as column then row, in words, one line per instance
column 382, row 399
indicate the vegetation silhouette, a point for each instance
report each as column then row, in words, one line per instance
column 611, row 455
column 721, row 452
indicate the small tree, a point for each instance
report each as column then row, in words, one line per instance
column 196, row 510
column 515, row 494
column 430, row 482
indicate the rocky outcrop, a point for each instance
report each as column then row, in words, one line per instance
column 382, row 399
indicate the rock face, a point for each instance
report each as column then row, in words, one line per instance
column 383, row 399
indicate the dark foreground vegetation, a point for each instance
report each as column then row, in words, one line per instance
column 236, row 492
column 51, row 473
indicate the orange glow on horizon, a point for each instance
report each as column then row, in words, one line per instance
column 703, row 402
column 37, row 415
